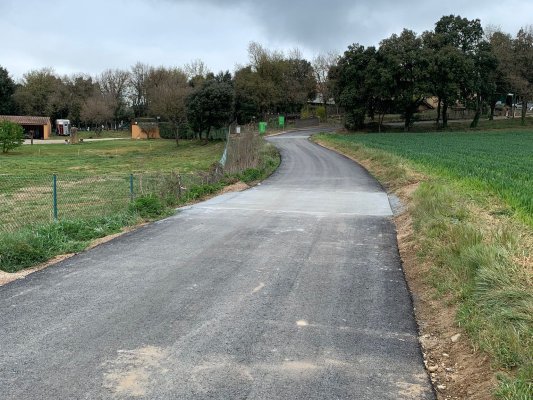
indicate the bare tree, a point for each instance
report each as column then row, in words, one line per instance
column 114, row 83
column 137, row 88
column 322, row 64
column 167, row 92
column 196, row 70
column 97, row 109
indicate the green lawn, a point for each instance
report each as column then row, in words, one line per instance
column 500, row 162
column 117, row 157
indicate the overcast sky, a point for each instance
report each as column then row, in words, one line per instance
column 90, row 36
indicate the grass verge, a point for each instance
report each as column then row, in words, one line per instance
column 479, row 262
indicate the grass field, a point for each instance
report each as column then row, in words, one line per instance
column 472, row 225
column 92, row 178
column 499, row 162
column 120, row 156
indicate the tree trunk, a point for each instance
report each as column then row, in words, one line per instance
column 475, row 121
column 492, row 108
column 408, row 118
column 524, row 110
column 438, row 111
column 176, row 127
column 445, row 114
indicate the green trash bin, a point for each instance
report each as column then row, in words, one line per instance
column 281, row 121
column 262, row 127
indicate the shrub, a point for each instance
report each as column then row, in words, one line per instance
column 148, row 207
column 11, row 135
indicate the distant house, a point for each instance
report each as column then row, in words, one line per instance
column 429, row 103
column 145, row 128
column 40, row 126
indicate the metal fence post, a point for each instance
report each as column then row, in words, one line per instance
column 54, row 186
column 131, row 187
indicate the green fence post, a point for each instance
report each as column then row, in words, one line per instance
column 131, row 187
column 54, row 190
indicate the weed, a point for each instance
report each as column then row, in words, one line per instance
column 148, row 207
column 38, row 243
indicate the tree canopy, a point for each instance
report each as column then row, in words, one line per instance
column 210, row 107
column 456, row 64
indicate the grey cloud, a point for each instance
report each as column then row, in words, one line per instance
column 101, row 34
column 333, row 24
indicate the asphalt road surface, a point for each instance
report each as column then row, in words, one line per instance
column 290, row 290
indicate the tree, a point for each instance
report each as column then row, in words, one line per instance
column 197, row 72
column 98, row 109
column 483, row 81
column 167, row 91
column 298, row 84
column 462, row 40
column 407, row 62
column 380, row 85
column 74, row 91
column 249, row 99
column 138, row 88
column 272, row 83
column 7, row 88
column 351, row 90
column 523, row 72
column 11, row 135
column 445, row 68
column 322, row 64
column 37, row 95
column 79, row 87
column 502, row 48
column 210, row 106
column 113, row 84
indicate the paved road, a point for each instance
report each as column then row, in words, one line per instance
column 290, row 290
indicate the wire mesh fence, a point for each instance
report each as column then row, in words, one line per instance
column 35, row 199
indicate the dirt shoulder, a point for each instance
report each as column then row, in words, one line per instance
column 456, row 369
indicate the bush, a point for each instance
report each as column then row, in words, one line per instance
column 148, row 207
column 11, row 135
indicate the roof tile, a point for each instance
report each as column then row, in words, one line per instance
column 26, row 120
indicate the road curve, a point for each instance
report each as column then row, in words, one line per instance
column 290, row 290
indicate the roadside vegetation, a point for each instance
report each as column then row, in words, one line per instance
column 473, row 225
column 168, row 178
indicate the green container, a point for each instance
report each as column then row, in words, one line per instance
column 281, row 120
column 262, row 127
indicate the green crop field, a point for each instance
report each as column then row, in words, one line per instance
column 500, row 162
